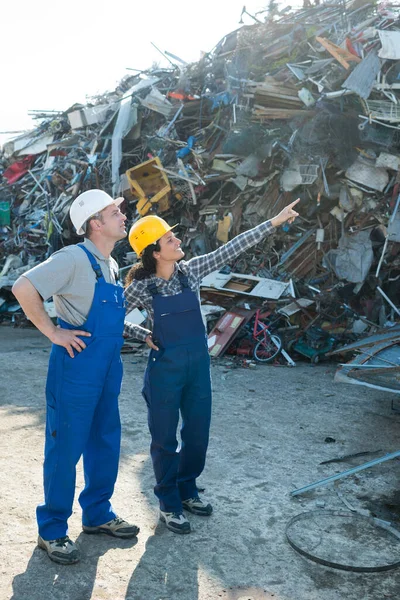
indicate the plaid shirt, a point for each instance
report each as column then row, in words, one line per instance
column 137, row 294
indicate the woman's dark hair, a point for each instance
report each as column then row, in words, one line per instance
column 145, row 267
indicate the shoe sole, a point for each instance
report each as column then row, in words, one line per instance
column 171, row 528
column 199, row 513
column 57, row 559
column 97, row 530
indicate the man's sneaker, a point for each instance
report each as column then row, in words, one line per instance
column 175, row 522
column 197, row 507
column 117, row 528
column 61, row 550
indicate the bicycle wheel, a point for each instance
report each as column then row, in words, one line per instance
column 267, row 349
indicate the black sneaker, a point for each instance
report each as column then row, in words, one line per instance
column 62, row 550
column 197, row 507
column 175, row 522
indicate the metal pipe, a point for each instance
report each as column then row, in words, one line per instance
column 322, row 482
column 388, row 300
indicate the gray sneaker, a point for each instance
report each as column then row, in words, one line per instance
column 175, row 522
column 62, row 550
column 197, row 506
column 117, row 528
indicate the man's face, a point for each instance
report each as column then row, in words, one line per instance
column 170, row 248
column 112, row 223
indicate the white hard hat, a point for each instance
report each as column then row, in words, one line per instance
column 88, row 204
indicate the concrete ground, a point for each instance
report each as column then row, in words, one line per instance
column 269, row 431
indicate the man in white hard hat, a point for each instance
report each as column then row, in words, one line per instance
column 85, row 373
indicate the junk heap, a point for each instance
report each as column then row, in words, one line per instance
column 301, row 103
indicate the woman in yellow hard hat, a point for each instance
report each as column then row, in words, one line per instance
column 177, row 379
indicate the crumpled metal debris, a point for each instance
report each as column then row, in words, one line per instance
column 304, row 104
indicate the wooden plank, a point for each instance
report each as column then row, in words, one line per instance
column 341, row 55
column 277, row 113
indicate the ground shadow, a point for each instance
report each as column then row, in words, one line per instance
column 46, row 579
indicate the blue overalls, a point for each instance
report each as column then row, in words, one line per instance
column 83, row 416
column 177, row 379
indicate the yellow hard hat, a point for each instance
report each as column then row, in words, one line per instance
column 147, row 231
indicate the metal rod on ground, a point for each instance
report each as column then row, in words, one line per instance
column 366, row 366
column 323, row 482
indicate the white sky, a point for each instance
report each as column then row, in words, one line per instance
column 55, row 53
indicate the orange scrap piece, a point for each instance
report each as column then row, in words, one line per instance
column 180, row 96
column 341, row 55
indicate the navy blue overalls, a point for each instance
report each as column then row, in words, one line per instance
column 83, row 416
column 177, row 379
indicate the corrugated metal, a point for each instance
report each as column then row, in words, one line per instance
column 393, row 333
column 362, row 79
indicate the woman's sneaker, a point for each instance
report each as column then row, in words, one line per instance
column 197, row 507
column 175, row 522
column 62, row 550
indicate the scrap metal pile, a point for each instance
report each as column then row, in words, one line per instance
column 302, row 103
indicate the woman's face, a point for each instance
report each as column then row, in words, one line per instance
column 170, row 248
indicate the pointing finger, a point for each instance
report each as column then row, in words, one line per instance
column 294, row 203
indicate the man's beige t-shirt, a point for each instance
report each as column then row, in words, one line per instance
column 69, row 277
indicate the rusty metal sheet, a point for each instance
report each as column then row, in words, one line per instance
column 227, row 329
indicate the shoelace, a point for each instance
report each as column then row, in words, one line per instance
column 177, row 516
column 64, row 541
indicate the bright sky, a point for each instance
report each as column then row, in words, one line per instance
column 55, row 53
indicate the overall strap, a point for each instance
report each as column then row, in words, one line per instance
column 95, row 265
column 183, row 280
column 152, row 289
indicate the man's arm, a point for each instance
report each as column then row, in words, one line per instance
column 201, row 266
column 32, row 305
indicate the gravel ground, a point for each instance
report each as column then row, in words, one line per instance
column 268, row 437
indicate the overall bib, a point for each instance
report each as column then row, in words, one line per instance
column 83, row 415
column 177, row 379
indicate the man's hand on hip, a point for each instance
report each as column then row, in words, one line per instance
column 68, row 338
